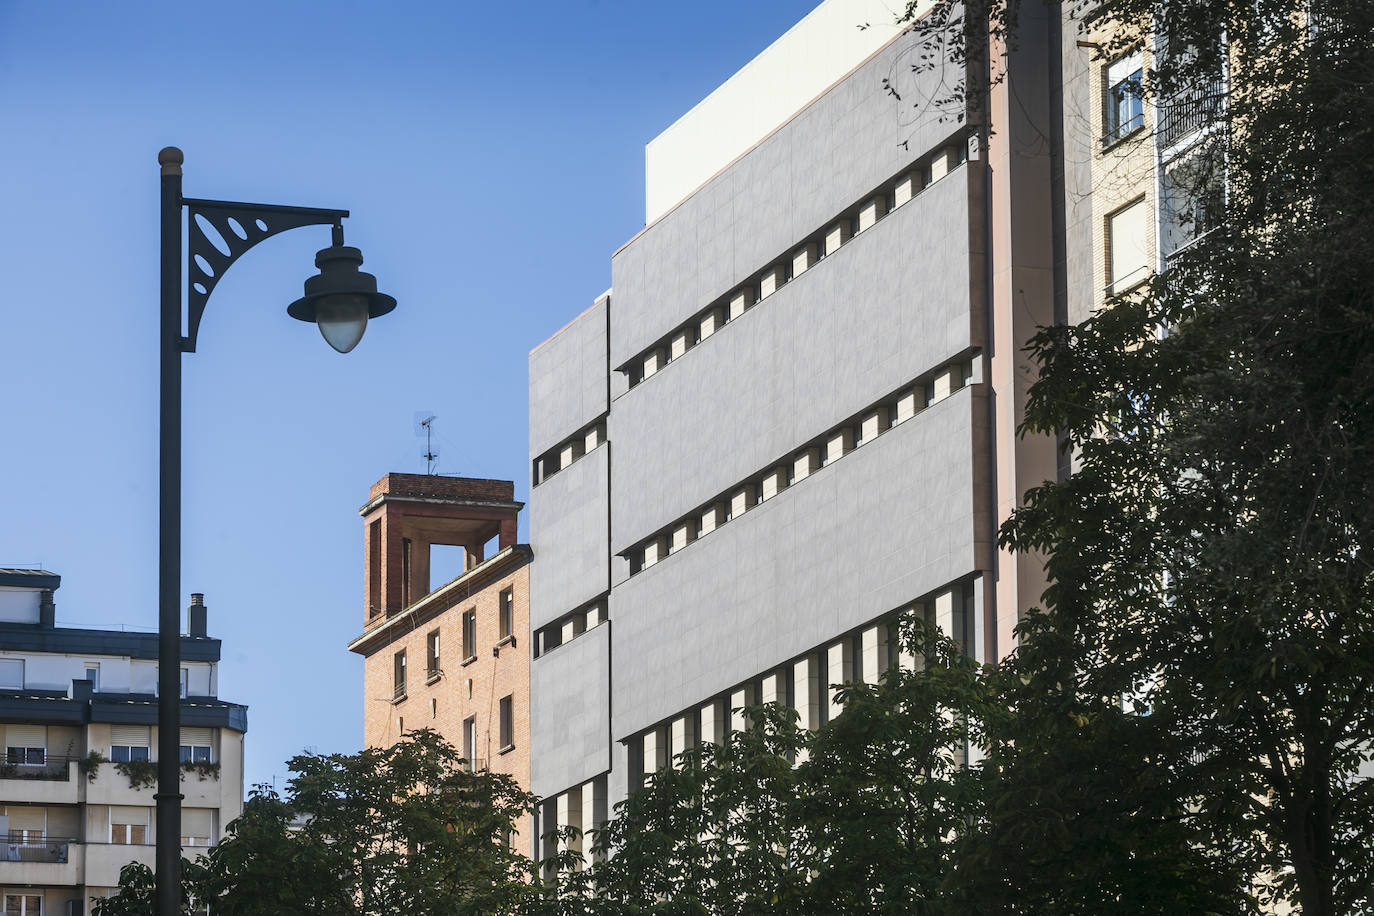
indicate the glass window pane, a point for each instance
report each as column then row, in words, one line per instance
column 138, row 753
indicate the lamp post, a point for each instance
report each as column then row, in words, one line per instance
column 340, row 300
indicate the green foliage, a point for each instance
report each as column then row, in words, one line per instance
column 405, row 829
column 401, row 830
column 858, row 817
column 90, row 765
column 203, row 769
column 137, row 892
column 142, row 774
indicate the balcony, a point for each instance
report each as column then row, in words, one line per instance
column 53, row 782
column 1189, row 112
column 52, row 861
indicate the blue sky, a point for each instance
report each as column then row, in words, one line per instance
column 492, row 157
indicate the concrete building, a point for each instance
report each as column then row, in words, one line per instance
column 447, row 656
column 793, row 417
column 78, row 714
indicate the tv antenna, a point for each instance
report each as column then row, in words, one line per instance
column 431, row 455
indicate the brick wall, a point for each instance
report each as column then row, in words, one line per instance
column 463, row 690
column 426, row 486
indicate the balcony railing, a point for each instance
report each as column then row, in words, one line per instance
column 54, row 767
column 1189, row 112
column 49, row 849
column 399, row 693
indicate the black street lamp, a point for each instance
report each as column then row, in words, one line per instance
column 339, row 300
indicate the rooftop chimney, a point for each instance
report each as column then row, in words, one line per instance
column 47, row 610
column 195, row 615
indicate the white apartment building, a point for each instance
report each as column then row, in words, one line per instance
column 78, row 719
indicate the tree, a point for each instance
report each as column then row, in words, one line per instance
column 138, row 889
column 856, row 817
column 1210, row 558
column 405, row 829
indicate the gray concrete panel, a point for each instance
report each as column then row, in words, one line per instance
column 884, row 525
column 826, row 159
column 568, row 533
column 570, row 701
column 568, row 379
column 888, row 306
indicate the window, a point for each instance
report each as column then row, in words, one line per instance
column 197, row 826
column 507, row 723
column 23, row 905
column 195, row 745
column 128, row 826
column 507, row 616
column 1125, row 106
column 26, row 745
column 128, row 743
column 11, row 673
column 432, row 654
column 1191, row 200
column 470, row 742
column 185, row 680
column 93, row 675
column 1128, row 257
column 398, row 675
column 470, row 634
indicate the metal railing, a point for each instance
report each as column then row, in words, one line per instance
column 55, row 767
column 1188, row 112
column 399, row 693
column 48, row 849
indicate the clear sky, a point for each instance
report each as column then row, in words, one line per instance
column 492, row 157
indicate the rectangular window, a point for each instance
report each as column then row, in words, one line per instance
column 197, row 826
column 195, row 745
column 185, row 680
column 432, row 654
column 23, row 905
column 128, row 826
column 507, row 722
column 470, row 742
column 507, row 612
column 93, row 675
column 398, row 675
column 1125, row 106
column 129, row 743
column 26, row 745
column 470, row 634
column 1128, row 255
column 11, row 673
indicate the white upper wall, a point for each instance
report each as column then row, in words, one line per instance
column 785, row 77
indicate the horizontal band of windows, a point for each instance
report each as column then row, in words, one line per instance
column 805, row 255
column 808, row 684
column 570, row 626
column 817, row 453
column 572, row 449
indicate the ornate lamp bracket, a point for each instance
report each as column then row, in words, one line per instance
column 220, row 231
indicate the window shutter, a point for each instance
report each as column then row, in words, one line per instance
column 195, row 737
column 26, row 736
column 24, row 818
column 197, row 822
column 130, row 735
column 119, row 814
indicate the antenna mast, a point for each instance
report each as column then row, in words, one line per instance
column 430, row 456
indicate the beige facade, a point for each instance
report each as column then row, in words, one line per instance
column 74, row 705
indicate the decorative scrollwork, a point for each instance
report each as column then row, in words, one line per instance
column 220, row 231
